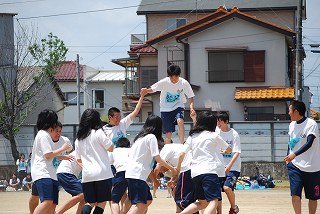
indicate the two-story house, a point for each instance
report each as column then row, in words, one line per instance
column 238, row 56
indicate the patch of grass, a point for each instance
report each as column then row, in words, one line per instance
column 282, row 184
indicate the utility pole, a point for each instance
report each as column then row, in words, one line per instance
column 298, row 82
column 78, row 86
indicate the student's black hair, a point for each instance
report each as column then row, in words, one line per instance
column 47, row 119
column 123, row 142
column 223, row 116
column 299, row 106
column 153, row 125
column 59, row 124
column 161, row 143
column 90, row 119
column 112, row 111
column 206, row 121
column 173, row 70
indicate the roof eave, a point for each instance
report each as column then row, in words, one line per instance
column 212, row 10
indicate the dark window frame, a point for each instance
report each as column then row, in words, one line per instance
column 254, row 113
column 175, row 23
column 97, row 103
column 73, row 100
column 250, row 68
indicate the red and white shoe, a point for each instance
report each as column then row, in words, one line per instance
column 234, row 210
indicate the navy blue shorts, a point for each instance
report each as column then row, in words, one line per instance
column 169, row 119
column 310, row 181
column 207, row 187
column 138, row 191
column 119, row 186
column 34, row 190
column 48, row 189
column 70, row 183
column 230, row 180
column 184, row 190
column 97, row 191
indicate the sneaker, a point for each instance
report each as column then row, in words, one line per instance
column 234, row 210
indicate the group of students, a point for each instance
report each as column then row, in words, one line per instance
column 206, row 163
column 109, row 167
column 15, row 184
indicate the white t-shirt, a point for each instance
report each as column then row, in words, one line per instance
column 41, row 167
column 206, row 157
column 68, row 166
column 120, row 158
column 172, row 95
column 119, row 131
column 233, row 140
column 93, row 153
column 309, row 161
column 141, row 157
column 56, row 145
column 170, row 153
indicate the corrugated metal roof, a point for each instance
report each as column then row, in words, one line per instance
column 266, row 93
column 67, row 72
column 107, row 76
column 167, row 6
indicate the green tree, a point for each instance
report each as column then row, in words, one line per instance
column 26, row 67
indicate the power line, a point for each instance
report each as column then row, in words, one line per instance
column 95, row 11
column 115, row 43
column 20, row 2
column 311, row 72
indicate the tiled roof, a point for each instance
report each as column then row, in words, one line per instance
column 234, row 13
column 145, row 48
column 67, row 72
column 314, row 113
column 265, row 93
column 219, row 16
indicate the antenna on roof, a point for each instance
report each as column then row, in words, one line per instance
column 224, row 6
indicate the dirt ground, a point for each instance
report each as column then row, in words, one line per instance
column 275, row 201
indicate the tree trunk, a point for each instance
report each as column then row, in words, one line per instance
column 14, row 150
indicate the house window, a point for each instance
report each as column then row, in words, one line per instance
column 175, row 23
column 72, row 98
column 236, row 66
column 260, row 113
column 98, row 98
column 148, row 76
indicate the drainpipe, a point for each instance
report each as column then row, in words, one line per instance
column 186, row 48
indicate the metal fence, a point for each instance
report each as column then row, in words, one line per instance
column 260, row 141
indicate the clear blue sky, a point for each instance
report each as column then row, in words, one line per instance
column 101, row 36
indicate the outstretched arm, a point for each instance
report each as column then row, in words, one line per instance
column 147, row 90
column 135, row 112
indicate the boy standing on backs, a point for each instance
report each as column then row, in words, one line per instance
column 174, row 90
column 232, row 161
